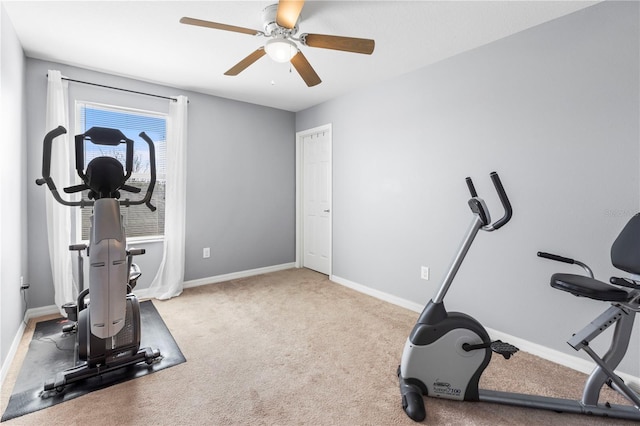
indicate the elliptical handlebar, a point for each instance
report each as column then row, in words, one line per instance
column 506, row 205
column 46, row 169
column 46, row 172
column 152, row 182
column 46, row 155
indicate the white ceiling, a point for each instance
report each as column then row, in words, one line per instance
column 145, row 41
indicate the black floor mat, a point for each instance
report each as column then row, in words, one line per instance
column 51, row 351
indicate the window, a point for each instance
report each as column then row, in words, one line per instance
column 139, row 221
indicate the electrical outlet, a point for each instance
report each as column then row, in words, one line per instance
column 206, row 252
column 23, row 286
column 424, row 272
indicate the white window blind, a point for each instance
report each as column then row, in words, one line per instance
column 139, row 221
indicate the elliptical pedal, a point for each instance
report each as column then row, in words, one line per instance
column 503, row 348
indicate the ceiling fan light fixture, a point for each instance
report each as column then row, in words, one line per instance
column 281, row 49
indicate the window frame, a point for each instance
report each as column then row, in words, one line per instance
column 78, row 124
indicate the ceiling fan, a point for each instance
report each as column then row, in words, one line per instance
column 280, row 27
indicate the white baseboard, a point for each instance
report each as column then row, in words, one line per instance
column 144, row 293
column 412, row 306
column 236, row 275
column 41, row 311
column 12, row 352
column 30, row 313
column 571, row 361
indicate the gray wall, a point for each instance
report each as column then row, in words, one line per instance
column 555, row 110
column 241, row 187
column 13, row 173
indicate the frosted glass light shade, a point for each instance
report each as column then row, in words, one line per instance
column 281, row 49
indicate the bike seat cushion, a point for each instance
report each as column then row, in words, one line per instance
column 580, row 285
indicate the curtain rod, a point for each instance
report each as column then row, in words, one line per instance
column 118, row 88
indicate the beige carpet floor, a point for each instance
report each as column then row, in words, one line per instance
column 293, row 348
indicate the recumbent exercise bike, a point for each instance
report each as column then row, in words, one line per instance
column 447, row 352
column 106, row 317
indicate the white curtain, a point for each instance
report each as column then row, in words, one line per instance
column 59, row 216
column 169, row 280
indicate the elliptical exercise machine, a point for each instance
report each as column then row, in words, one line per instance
column 106, row 317
column 447, row 352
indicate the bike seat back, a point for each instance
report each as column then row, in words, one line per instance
column 625, row 255
column 625, row 251
column 105, row 175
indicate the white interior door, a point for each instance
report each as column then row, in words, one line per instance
column 316, row 200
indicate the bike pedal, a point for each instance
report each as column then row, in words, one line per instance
column 69, row 328
column 503, row 348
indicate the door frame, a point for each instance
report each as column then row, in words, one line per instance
column 300, row 190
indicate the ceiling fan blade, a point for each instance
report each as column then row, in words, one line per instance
column 288, row 13
column 347, row 44
column 218, row 26
column 243, row 64
column 305, row 70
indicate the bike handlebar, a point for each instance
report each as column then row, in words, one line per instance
column 508, row 211
column 568, row 260
column 555, row 257
column 472, row 189
column 506, row 205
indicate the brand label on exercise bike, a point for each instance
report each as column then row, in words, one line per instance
column 444, row 388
